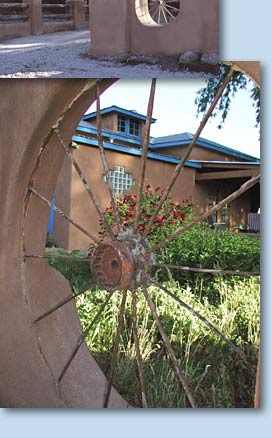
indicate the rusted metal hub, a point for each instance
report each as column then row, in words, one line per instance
column 112, row 265
column 121, row 264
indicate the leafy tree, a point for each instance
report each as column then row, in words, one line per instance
column 239, row 81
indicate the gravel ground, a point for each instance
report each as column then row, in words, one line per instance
column 65, row 55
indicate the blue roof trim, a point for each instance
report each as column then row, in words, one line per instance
column 133, row 151
column 110, row 134
column 119, row 110
column 203, row 143
column 240, row 163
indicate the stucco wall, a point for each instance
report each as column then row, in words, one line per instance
column 79, row 205
column 32, row 355
column 116, row 29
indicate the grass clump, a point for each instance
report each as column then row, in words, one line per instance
column 217, row 376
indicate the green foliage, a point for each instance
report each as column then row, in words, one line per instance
column 171, row 216
column 217, row 376
column 238, row 82
column 203, row 247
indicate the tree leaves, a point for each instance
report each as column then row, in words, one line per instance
column 238, row 82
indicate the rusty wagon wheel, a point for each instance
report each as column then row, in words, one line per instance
column 163, row 11
column 125, row 259
column 49, row 364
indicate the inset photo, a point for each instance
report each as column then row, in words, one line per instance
column 131, row 242
column 114, row 39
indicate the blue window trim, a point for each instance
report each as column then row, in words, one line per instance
column 128, row 121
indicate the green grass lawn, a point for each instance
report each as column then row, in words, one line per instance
column 217, row 376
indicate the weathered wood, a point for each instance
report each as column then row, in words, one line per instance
column 17, row 17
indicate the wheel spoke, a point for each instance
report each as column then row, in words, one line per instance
column 144, row 153
column 104, row 158
column 85, row 183
column 207, row 271
column 62, row 303
column 164, row 15
column 179, row 168
column 56, row 257
column 244, row 187
column 84, row 335
column 84, row 90
column 115, row 350
column 137, row 350
column 168, row 346
column 61, row 213
column 201, row 318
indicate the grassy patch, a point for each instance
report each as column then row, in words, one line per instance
column 216, row 375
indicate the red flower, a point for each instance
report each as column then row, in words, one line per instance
column 148, row 187
column 184, row 216
column 157, row 189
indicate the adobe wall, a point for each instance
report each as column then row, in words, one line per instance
column 32, row 355
column 80, row 206
column 239, row 207
column 123, row 26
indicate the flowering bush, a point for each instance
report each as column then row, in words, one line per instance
column 171, row 215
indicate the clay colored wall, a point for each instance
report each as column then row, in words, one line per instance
column 78, row 205
column 239, row 207
column 116, row 28
column 32, row 355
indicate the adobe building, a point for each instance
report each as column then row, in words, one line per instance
column 26, row 17
column 154, row 27
column 213, row 172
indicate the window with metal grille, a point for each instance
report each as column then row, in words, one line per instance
column 120, row 180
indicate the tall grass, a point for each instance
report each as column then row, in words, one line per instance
column 217, row 376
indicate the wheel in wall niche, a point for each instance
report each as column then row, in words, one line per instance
column 164, row 11
column 125, row 263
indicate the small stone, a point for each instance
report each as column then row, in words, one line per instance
column 189, row 57
column 210, row 58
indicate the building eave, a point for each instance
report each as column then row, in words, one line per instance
column 92, row 142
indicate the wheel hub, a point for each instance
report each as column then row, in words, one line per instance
column 122, row 263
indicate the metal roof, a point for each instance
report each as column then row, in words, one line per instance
column 117, row 109
column 132, row 151
column 184, row 139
